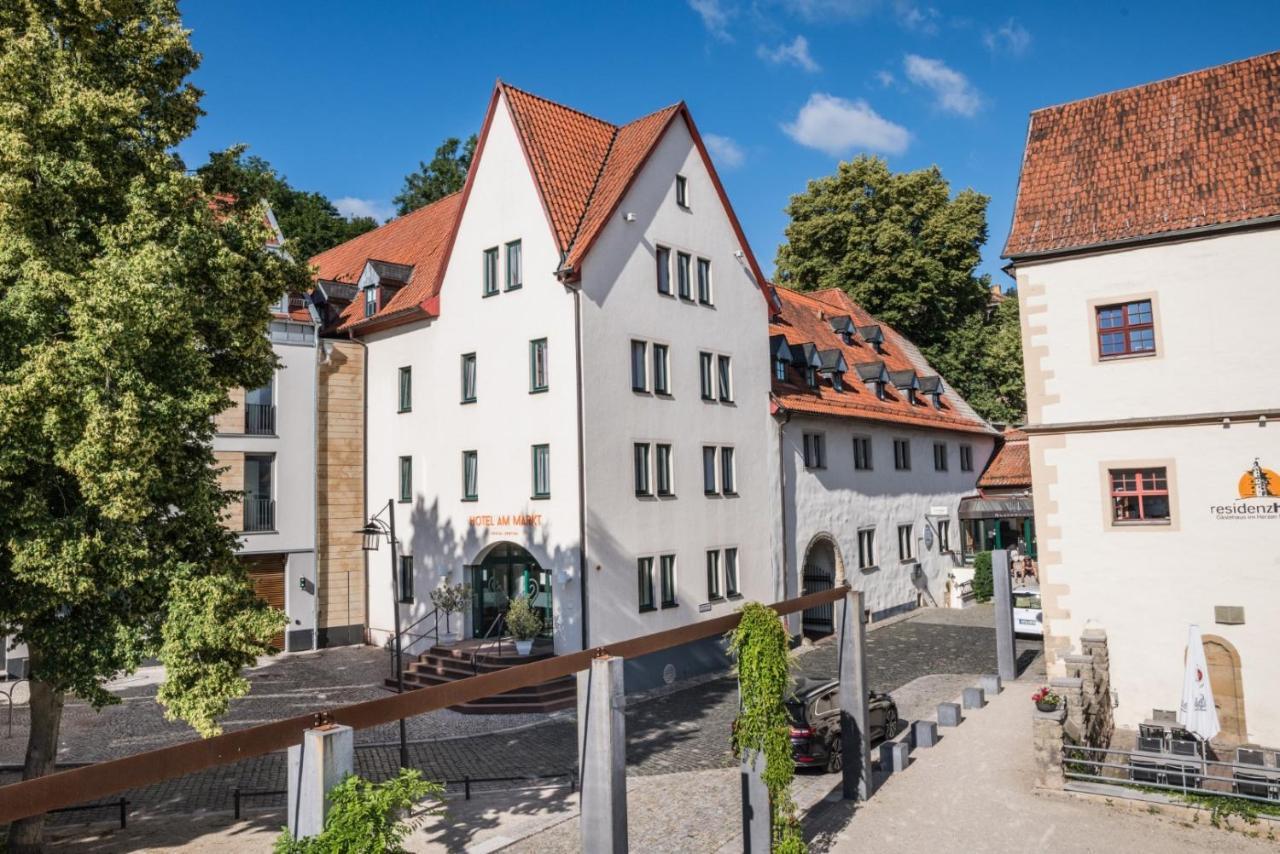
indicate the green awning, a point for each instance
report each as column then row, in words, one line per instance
column 996, row 508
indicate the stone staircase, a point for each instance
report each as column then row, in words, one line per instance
column 446, row 663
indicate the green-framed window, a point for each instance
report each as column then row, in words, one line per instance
column 538, row 365
column 470, row 475
column 644, row 572
column 490, row 271
column 406, row 390
column 468, row 377
column 406, row 478
column 515, row 265
column 541, row 471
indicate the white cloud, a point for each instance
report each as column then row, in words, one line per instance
column 885, row 78
column 836, row 126
column 952, row 90
column 823, row 10
column 797, row 52
column 350, row 206
column 726, row 153
column 715, row 16
column 1010, row 37
column 917, row 18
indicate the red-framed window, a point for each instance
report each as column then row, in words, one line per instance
column 1139, row 495
column 1126, row 329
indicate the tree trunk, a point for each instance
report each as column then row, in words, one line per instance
column 26, row 836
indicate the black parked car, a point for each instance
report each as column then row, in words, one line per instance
column 814, row 709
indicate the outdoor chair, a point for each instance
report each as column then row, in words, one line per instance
column 1150, row 744
column 1262, row 783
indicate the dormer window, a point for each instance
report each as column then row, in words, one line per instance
column 811, row 376
column 682, row 191
column 932, row 387
column 873, row 336
column 905, row 382
column 874, row 375
column 832, row 365
column 371, row 301
column 843, row 326
column 780, row 369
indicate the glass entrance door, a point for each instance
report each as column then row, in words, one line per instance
column 508, row 571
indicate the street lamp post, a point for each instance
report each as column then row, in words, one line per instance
column 373, row 532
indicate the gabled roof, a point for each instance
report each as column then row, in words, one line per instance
column 1011, row 464
column 414, row 240
column 1191, row 152
column 582, row 167
column 805, row 319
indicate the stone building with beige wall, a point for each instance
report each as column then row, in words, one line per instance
column 1146, row 248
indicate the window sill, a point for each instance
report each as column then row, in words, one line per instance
column 905, row 561
column 868, row 569
column 473, row 499
column 408, row 601
column 402, row 411
column 665, row 395
column 1122, row 357
column 715, row 598
column 727, row 402
column 467, row 400
column 706, row 399
column 666, row 495
column 542, row 390
column 666, row 605
column 1141, row 523
column 644, row 609
column 668, row 294
column 731, row 493
column 644, row 495
column 540, row 497
column 404, row 500
column 256, row 533
column 706, row 303
column 511, row 288
column 643, row 391
column 711, row 493
column 488, row 294
column 735, row 596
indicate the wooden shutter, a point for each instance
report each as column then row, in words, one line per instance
column 267, row 574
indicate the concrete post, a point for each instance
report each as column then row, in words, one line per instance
column 855, row 729
column 1005, row 657
column 757, row 811
column 602, row 756
column 325, row 757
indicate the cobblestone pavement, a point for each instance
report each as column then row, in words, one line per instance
column 686, row 730
column 280, row 687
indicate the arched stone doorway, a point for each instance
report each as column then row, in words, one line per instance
column 504, row 572
column 1227, row 684
column 820, row 570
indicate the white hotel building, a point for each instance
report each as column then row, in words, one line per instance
column 566, row 383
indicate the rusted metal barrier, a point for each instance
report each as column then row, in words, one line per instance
column 91, row 782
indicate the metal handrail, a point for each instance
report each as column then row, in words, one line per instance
column 497, row 621
column 32, row 797
column 1176, row 766
column 8, row 698
column 405, row 632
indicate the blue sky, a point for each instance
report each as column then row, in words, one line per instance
column 346, row 98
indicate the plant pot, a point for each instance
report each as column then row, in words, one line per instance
column 1046, row 707
column 524, row 647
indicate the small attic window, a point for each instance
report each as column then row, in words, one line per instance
column 371, row 301
column 811, row 376
column 780, row 369
column 932, row 386
column 682, row 191
column 837, row 382
column 843, row 326
column 873, row 336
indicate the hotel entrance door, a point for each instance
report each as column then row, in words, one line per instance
column 508, row 571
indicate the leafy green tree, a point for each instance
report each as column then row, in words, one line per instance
column 133, row 297
column 310, row 222
column 445, row 174
column 983, row 358
column 983, row 582
column 907, row 250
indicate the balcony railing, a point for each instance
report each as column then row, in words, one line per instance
column 259, row 514
column 260, row 419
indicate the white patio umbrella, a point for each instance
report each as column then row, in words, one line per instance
column 1197, row 712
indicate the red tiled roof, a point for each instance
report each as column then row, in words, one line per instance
column 1196, row 150
column 417, row 239
column 805, row 318
column 1011, row 465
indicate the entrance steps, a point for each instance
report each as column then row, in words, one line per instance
column 446, row 663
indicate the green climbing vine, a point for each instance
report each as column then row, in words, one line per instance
column 759, row 650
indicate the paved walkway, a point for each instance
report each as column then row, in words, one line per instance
column 973, row 792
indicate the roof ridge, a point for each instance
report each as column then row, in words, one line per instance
column 565, row 107
column 650, row 115
column 390, row 222
column 1172, row 77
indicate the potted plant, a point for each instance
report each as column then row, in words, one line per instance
column 1046, row 700
column 524, row 623
column 451, row 598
